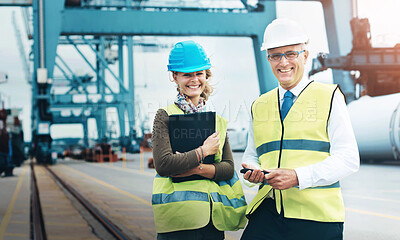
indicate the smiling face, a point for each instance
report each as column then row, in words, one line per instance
column 191, row 84
column 289, row 72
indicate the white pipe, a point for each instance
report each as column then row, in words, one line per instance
column 354, row 5
column 375, row 122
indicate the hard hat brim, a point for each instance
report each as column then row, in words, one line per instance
column 300, row 40
column 191, row 69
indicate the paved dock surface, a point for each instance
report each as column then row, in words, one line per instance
column 123, row 192
column 15, row 204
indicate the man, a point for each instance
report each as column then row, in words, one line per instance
column 301, row 134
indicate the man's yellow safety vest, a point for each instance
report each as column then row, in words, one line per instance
column 187, row 205
column 300, row 140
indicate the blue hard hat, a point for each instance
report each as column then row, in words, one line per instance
column 187, row 57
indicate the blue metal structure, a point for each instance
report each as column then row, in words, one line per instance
column 338, row 15
column 13, row 3
column 71, row 21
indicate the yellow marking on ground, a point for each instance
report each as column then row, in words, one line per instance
column 65, row 224
column 20, row 222
column 372, row 198
column 7, row 216
column 108, row 185
column 17, row 234
column 373, row 213
column 127, row 170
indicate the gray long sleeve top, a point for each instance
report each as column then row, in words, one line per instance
column 168, row 164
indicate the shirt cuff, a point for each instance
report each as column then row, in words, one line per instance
column 250, row 184
column 304, row 176
column 246, row 182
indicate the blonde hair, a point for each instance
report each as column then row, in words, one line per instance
column 208, row 88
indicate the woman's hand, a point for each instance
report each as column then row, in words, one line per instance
column 211, row 144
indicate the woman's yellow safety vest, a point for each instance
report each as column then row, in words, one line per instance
column 300, row 140
column 187, row 205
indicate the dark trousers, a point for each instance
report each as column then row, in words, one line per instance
column 3, row 162
column 266, row 224
column 208, row 232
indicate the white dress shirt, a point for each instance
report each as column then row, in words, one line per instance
column 344, row 157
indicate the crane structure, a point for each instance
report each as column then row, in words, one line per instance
column 377, row 68
column 99, row 24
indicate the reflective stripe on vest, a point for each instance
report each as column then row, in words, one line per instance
column 179, row 196
column 300, row 140
column 186, row 205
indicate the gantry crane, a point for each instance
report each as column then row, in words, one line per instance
column 93, row 22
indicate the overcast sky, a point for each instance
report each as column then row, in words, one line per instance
column 233, row 66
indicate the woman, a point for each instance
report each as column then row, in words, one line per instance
column 196, row 209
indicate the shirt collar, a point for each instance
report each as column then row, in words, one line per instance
column 296, row 90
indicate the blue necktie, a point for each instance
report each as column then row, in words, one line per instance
column 287, row 103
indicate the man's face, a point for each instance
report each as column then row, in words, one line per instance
column 288, row 71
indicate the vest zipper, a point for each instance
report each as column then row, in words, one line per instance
column 280, row 151
column 283, row 131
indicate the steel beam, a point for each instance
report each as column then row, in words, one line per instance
column 52, row 13
column 337, row 22
column 121, row 107
column 133, row 22
column 174, row 23
column 131, row 85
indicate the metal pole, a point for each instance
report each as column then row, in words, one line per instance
column 141, row 160
column 354, row 5
column 123, row 157
column 131, row 85
column 121, row 107
column 41, row 30
column 110, row 156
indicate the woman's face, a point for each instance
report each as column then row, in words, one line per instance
column 191, row 84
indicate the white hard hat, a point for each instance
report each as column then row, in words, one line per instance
column 283, row 32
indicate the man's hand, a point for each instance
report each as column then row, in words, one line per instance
column 281, row 178
column 254, row 177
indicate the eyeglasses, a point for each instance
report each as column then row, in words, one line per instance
column 276, row 57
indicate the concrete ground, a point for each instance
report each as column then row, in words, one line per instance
column 15, row 204
column 123, row 191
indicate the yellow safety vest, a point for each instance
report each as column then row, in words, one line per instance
column 186, row 205
column 300, row 140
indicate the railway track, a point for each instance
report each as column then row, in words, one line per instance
column 38, row 231
column 98, row 223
